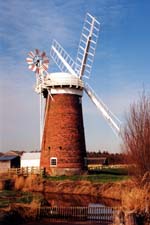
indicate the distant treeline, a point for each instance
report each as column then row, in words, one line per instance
column 113, row 158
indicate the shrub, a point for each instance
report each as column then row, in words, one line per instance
column 136, row 136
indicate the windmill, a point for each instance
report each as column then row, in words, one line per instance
column 63, row 142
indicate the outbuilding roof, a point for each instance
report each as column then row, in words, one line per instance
column 8, row 157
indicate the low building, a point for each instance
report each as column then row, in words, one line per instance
column 14, row 152
column 8, row 162
column 96, row 162
column 30, row 159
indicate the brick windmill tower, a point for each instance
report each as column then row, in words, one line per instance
column 63, row 148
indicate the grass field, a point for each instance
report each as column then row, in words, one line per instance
column 10, row 196
column 109, row 170
column 102, row 176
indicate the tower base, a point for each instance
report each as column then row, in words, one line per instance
column 63, row 144
column 65, row 171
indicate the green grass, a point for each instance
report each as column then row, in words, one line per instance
column 8, row 193
column 104, row 175
column 11, row 196
column 105, row 178
column 4, row 203
column 108, row 170
column 94, row 178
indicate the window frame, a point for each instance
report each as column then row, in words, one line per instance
column 53, row 165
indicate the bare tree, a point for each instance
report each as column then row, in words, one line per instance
column 136, row 136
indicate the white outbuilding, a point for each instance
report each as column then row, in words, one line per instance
column 30, row 159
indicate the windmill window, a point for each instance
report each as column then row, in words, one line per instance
column 60, row 147
column 53, row 161
column 49, row 147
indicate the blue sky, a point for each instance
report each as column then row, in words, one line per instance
column 120, row 71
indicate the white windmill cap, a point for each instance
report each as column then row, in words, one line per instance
column 63, row 79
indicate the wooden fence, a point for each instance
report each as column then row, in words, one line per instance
column 25, row 171
column 105, row 214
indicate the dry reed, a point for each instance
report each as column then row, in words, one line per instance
column 137, row 199
column 19, row 183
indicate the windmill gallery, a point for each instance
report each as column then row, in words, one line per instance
column 63, row 148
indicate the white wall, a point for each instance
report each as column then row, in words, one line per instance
column 30, row 163
column 30, row 159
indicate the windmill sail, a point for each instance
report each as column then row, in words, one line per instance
column 62, row 58
column 83, row 65
column 87, row 46
column 107, row 114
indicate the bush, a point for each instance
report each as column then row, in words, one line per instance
column 136, row 136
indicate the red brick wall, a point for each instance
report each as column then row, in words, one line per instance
column 63, row 135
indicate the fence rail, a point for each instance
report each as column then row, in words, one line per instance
column 25, row 171
column 105, row 214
